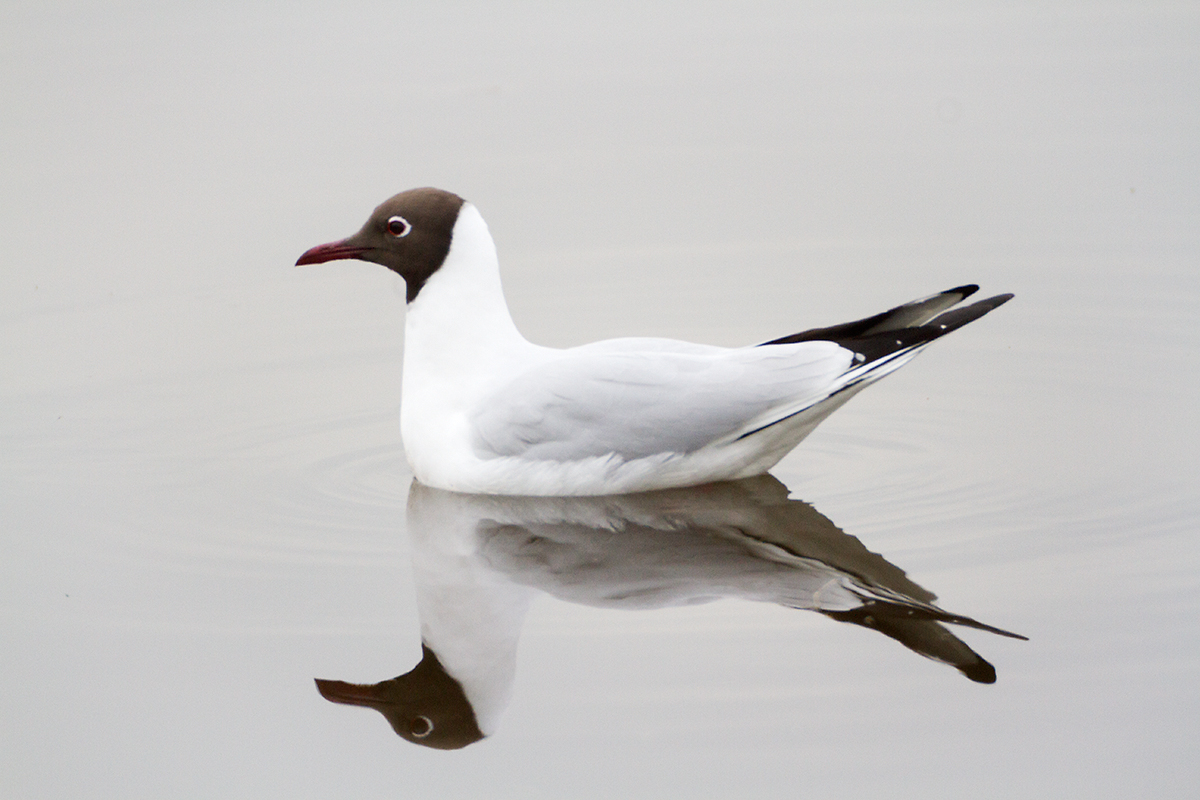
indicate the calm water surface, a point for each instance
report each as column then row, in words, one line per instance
column 205, row 501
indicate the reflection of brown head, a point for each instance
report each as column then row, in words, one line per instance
column 426, row 706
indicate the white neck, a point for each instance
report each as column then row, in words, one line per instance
column 460, row 314
column 459, row 340
column 471, row 615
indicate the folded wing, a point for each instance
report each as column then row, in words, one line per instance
column 641, row 397
column 634, row 398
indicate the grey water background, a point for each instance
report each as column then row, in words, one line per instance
column 203, row 485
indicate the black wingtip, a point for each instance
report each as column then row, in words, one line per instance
column 979, row 671
column 912, row 316
column 955, row 318
column 874, row 346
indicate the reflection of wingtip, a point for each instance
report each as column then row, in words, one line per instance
column 980, row 671
column 920, row 631
column 970, row 623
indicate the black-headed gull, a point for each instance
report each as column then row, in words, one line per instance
column 484, row 410
column 479, row 562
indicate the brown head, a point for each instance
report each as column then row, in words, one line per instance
column 409, row 234
column 426, row 706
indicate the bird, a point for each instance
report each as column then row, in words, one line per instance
column 483, row 410
column 480, row 562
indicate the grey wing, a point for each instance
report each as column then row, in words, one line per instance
column 596, row 400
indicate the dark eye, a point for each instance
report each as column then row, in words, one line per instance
column 421, row 727
column 398, row 227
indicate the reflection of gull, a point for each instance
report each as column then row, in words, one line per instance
column 479, row 560
column 484, row 410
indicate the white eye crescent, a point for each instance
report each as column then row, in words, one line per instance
column 421, row 727
column 398, row 227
